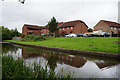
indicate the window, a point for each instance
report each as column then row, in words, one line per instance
column 119, row 28
column 67, row 28
column 45, row 29
column 111, row 28
column 60, row 29
column 71, row 28
column 63, row 28
column 114, row 28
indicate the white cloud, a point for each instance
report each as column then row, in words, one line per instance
column 39, row 12
column 119, row 12
column 0, row 14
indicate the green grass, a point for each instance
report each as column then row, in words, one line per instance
column 79, row 43
column 16, row 69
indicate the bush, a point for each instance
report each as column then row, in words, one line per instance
column 57, row 35
column 6, row 33
column 33, row 38
column 90, row 30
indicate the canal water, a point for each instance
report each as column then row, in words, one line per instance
column 64, row 63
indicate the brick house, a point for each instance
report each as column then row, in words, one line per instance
column 75, row 27
column 31, row 29
column 45, row 30
column 108, row 26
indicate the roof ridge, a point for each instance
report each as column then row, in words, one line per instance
column 73, row 21
column 32, row 25
column 61, row 24
column 109, row 21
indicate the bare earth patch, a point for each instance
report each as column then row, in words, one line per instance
column 117, row 42
column 91, row 45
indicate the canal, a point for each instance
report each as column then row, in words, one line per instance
column 65, row 63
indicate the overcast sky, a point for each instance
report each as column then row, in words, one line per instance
column 39, row 12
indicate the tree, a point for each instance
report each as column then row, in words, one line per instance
column 90, row 30
column 15, row 32
column 53, row 24
column 6, row 33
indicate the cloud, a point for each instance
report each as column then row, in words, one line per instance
column 0, row 14
column 39, row 12
column 119, row 11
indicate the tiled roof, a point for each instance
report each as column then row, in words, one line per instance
column 33, row 26
column 60, row 23
column 72, row 23
column 113, row 24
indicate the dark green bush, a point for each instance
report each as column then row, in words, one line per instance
column 33, row 38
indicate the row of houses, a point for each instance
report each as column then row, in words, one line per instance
column 76, row 27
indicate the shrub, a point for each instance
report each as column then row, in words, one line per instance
column 33, row 38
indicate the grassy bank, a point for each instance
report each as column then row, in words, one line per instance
column 98, row 44
column 16, row 69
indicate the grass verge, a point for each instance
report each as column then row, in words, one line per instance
column 97, row 44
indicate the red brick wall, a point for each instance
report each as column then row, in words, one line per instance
column 44, row 32
column 80, row 28
column 66, row 30
column 102, row 26
column 25, row 31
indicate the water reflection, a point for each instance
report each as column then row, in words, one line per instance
column 8, row 48
column 54, row 57
column 104, row 64
column 63, row 63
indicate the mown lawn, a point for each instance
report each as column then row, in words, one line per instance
column 98, row 44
